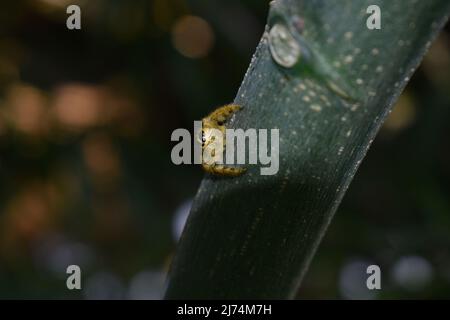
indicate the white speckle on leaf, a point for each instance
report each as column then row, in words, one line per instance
column 323, row 98
column 316, row 107
column 348, row 59
column 309, row 83
column 354, row 107
column 348, row 35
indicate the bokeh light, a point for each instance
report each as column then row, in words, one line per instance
column 412, row 272
column 27, row 109
column 352, row 280
column 78, row 106
column 193, row 37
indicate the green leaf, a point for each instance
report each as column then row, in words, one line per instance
column 253, row 236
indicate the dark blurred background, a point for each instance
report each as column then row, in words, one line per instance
column 85, row 170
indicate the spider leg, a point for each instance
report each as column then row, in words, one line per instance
column 221, row 170
column 216, row 120
column 222, row 114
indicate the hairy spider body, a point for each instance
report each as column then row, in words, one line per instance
column 216, row 120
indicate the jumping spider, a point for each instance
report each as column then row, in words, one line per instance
column 216, row 120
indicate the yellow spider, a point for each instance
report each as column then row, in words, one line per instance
column 216, row 120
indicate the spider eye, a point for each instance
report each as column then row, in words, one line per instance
column 203, row 137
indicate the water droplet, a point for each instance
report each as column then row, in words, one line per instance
column 283, row 47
